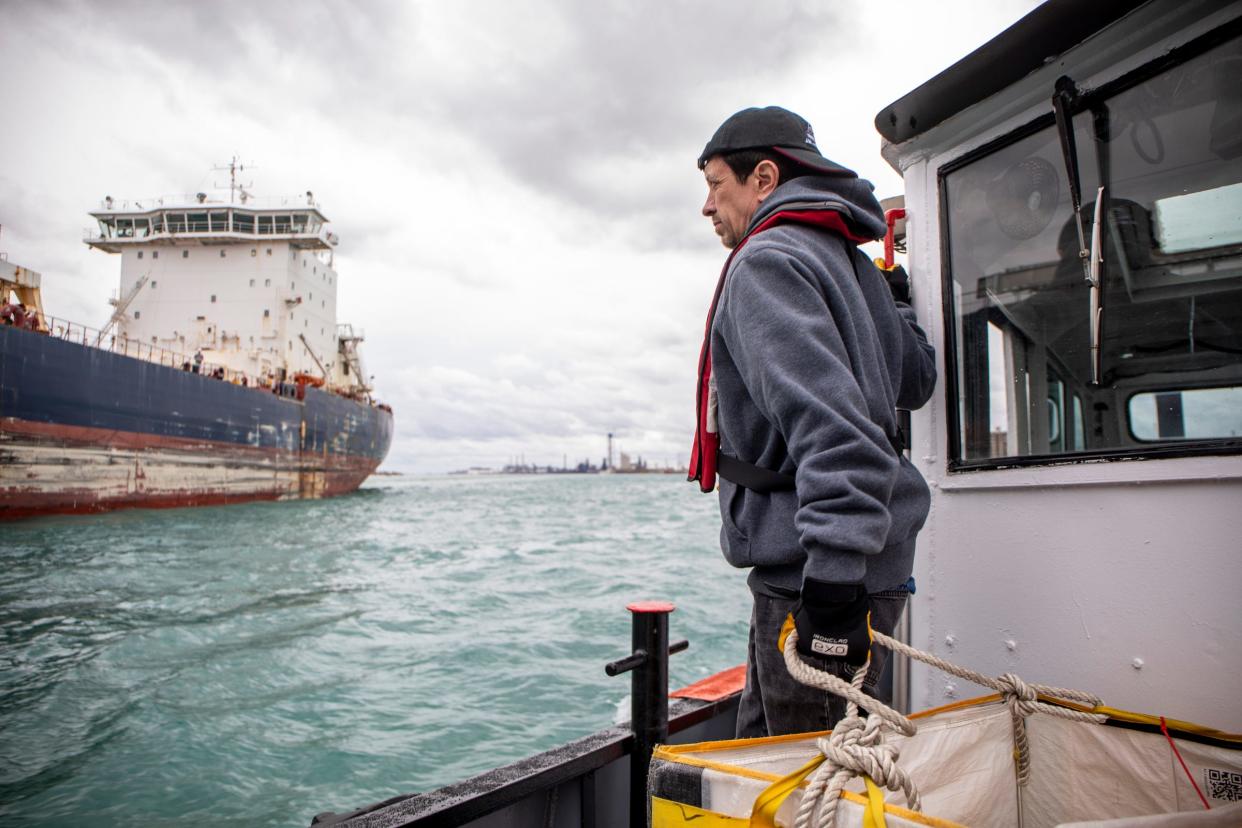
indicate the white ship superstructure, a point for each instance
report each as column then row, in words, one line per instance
column 249, row 283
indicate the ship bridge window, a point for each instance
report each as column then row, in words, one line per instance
column 282, row 224
column 264, row 224
column 133, row 227
column 219, row 221
column 197, row 222
column 1166, row 146
column 243, row 222
column 299, row 222
column 176, row 222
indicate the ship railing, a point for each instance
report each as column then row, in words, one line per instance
column 150, row 352
column 187, row 201
column 191, row 230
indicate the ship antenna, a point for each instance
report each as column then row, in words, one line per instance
column 234, row 167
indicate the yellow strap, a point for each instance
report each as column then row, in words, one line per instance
column 668, row 814
column 763, row 815
column 873, row 817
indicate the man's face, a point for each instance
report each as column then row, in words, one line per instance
column 730, row 204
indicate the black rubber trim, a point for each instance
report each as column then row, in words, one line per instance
column 1047, row 32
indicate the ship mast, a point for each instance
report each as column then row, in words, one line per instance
column 234, row 167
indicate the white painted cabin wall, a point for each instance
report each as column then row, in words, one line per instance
column 1066, row 574
column 244, row 285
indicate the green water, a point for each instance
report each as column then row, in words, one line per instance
column 258, row 664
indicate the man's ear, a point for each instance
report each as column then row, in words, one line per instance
column 766, row 177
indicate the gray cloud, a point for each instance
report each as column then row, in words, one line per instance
column 624, row 85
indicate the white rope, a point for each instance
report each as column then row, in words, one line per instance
column 854, row 695
column 855, row 746
column 1020, row 696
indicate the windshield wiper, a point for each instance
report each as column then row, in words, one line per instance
column 1093, row 279
column 1064, row 101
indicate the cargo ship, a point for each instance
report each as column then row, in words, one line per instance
column 222, row 375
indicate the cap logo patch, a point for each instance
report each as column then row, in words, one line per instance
column 810, row 136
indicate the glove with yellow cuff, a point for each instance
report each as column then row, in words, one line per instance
column 833, row 621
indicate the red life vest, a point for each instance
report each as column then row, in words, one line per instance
column 704, row 454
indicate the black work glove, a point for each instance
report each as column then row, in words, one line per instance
column 898, row 283
column 833, row 621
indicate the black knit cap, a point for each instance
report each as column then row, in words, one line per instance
column 776, row 129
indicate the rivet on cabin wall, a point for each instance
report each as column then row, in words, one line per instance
column 950, row 691
column 1137, row 664
column 1011, row 645
column 949, row 641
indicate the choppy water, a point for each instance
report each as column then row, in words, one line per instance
column 257, row 664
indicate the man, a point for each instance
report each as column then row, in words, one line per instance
column 807, row 354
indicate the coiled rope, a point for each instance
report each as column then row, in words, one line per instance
column 856, row 747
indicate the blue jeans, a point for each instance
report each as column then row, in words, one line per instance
column 773, row 702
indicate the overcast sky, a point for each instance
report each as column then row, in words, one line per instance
column 513, row 183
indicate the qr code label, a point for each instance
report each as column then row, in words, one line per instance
column 1222, row 784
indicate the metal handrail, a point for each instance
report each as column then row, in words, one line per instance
column 121, row 344
column 197, row 230
column 180, row 201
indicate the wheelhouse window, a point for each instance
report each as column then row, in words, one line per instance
column 1167, row 152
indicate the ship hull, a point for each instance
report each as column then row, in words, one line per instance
column 87, row 430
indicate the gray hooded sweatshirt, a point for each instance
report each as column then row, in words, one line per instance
column 810, row 357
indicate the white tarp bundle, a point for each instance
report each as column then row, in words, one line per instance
column 962, row 762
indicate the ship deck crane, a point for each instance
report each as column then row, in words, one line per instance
column 122, row 304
